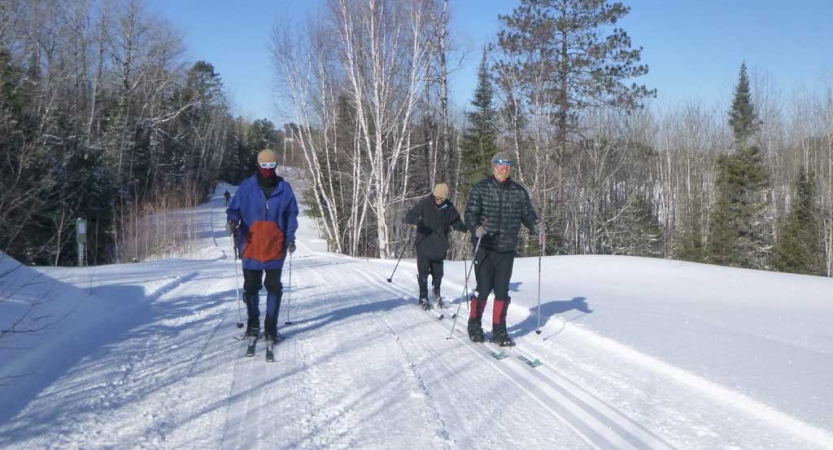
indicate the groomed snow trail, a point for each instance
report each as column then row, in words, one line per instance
column 156, row 365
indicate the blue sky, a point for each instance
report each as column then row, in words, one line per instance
column 693, row 47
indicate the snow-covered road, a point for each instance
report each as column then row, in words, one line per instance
column 147, row 359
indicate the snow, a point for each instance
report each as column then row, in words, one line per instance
column 637, row 354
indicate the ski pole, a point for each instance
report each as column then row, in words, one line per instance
column 289, row 293
column 237, row 284
column 542, row 238
column 401, row 254
column 465, row 288
column 465, row 268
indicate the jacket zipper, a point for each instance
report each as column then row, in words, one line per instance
column 500, row 193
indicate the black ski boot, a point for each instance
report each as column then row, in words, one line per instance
column 253, row 328
column 270, row 329
column 438, row 300
column 500, row 337
column 425, row 304
column 476, row 331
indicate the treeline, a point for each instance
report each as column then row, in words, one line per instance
column 102, row 118
column 746, row 184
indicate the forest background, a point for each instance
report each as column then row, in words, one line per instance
column 103, row 118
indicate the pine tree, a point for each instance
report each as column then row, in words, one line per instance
column 688, row 244
column 263, row 134
column 478, row 143
column 638, row 232
column 742, row 116
column 799, row 249
column 570, row 56
column 738, row 223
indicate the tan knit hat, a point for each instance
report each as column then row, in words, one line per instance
column 266, row 155
column 441, row 191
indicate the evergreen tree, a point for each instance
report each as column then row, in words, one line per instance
column 569, row 56
column 479, row 139
column 688, row 244
column 237, row 165
column 742, row 116
column 738, row 224
column 263, row 134
column 637, row 233
column 799, row 250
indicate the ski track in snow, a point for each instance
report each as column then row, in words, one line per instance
column 126, row 377
column 598, row 424
column 670, row 398
column 362, row 367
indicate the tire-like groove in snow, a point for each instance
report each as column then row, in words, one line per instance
column 599, row 424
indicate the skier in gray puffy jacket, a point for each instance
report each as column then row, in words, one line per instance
column 496, row 209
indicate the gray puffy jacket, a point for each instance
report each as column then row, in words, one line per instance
column 506, row 206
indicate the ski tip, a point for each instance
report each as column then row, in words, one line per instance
column 500, row 355
column 288, row 322
column 454, row 316
column 531, row 362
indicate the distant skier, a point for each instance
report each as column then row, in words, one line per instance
column 434, row 217
column 264, row 215
column 227, row 195
column 496, row 208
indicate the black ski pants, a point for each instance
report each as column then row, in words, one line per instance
column 253, row 281
column 426, row 266
column 493, row 271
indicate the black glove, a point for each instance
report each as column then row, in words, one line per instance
column 290, row 247
column 232, row 227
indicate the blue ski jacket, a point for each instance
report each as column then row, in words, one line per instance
column 266, row 224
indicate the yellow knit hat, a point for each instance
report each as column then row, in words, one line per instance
column 441, row 191
column 266, row 155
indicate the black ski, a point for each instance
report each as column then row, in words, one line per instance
column 439, row 315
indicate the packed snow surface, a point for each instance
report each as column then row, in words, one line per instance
column 637, row 353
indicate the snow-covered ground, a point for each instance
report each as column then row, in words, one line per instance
column 637, row 354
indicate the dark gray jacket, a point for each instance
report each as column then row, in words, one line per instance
column 433, row 225
column 506, row 206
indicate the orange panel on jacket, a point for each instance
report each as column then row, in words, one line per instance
column 264, row 242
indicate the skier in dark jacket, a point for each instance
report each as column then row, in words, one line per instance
column 264, row 216
column 434, row 217
column 227, row 195
column 496, row 208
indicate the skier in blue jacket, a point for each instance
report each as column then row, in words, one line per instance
column 264, row 215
